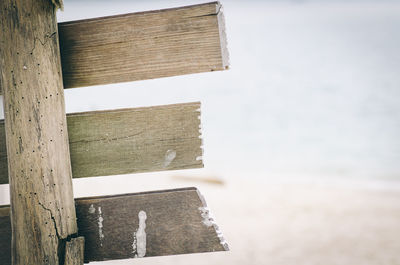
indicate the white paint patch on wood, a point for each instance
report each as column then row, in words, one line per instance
column 92, row 210
column 209, row 220
column 139, row 237
column 169, row 157
column 100, row 223
column 200, row 158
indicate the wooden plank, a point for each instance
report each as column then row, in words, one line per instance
column 143, row 224
column 143, row 45
column 39, row 168
column 129, row 141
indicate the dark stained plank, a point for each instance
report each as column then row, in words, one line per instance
column 129, row 140
column 143, row 45
column 143, row 224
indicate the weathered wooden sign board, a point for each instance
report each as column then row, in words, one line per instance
column 143, row 45
column 173, row 222
column 125, row 141
column 41, row 148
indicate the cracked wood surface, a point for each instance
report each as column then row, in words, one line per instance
column 39, row 169
column 129, row 140
column 176, row 222
column 143, row 45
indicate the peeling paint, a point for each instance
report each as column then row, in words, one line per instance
column 169, row 157
column 100, row 223
column 208, row 220
column 92, row 210
column 139, row 237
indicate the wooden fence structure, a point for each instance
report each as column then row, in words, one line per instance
column 42, row 148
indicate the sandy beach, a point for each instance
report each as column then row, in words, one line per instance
column 285, row 222
column 281, row 222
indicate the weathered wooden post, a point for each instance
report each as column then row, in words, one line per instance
column 38, row 148
column 42, row 206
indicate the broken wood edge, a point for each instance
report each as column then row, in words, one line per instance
column 205, row 213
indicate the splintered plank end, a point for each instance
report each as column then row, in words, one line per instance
column 145, row 224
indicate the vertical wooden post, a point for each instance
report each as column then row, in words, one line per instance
column 42, row 207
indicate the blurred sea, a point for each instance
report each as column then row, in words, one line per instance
column 313, row 89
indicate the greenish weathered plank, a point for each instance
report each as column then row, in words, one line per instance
column 129, row 141
column 146, row 224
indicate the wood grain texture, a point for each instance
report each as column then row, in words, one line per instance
column 74, row 251
column 39, row 169
column 143, row 45
column 177, row 222
column 129, row 140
